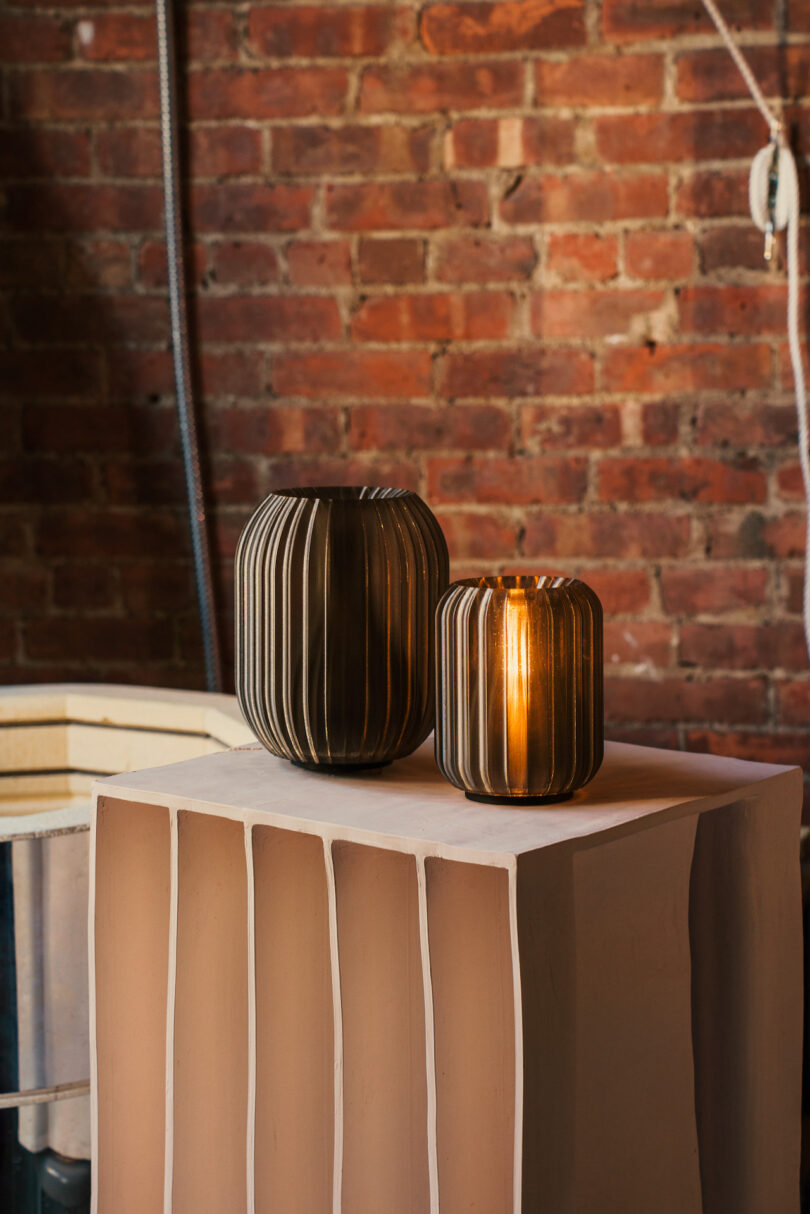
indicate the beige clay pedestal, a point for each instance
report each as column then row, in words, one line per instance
column 368, row 995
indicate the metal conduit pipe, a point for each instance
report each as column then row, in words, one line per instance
column 186, row 411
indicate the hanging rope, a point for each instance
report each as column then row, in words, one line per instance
column 773, row 190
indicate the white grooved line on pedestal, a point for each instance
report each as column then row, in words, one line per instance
column 337, row 1014
column 250, row 1180
column 171, row 998
column 518, row 1002
column 430, row 1037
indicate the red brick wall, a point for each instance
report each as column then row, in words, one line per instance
column 496, row 252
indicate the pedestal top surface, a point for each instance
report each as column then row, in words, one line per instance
column 408, row 806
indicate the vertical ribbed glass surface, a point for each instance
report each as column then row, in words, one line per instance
column 336, row 591
column 519, row 687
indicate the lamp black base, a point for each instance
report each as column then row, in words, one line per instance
column 339, row 769
column 488, row 800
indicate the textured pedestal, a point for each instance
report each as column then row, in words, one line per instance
column 368, row 995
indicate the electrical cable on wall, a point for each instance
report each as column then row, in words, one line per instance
column 773, row 190
column 186, row 412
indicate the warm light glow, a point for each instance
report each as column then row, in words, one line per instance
column 517, row 670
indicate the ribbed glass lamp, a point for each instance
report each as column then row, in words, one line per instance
column 519, row 715
column 336, row 592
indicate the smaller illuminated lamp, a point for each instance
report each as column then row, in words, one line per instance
column 519, row 698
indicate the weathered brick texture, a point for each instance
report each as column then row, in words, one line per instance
column 499, row 252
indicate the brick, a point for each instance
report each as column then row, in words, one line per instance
column 789, row 480
column 147, row 484
column 737, row 248
column 250, row 208
column 477, row 535
column 257, row 93
column 660, row 423
column 91, row 264
column 687, row 479
column 364, row 374
column 643, row 644
column 620, row 591
column 389, row 206
column 303, row 150
column 690, row 590
column 272, row 429
column 517, row 371
column 31, row 262
column 687, row 368
column 114, row 36
column 794, row 704
column 582, row 256
column 425, row 88
column 135, row 373
column 68, row 95
column 509, row 25
column 659, row 255
column 586, row 197
column 713, row 76
column 78, row 428
column 153, row 270
column 150, row 585
column 243, row 263
column 85, row 584
column 80, row 207
column 599, row 80
column 45, row 320
column 631, row 20
column 707, row 193
column 477, row 143
column 293, row 472
column 733, row 310
column 743, row 646
column 549, row 427
column 523, row 481
column 484, row 259
column 34, row 153
column 229, row 151
column 723, row 424
column 607, row 313
column 110, row 534
column 441, row 316
column 320, row 32
column 770, row 747
column 716, row 700
column 268, row 318
column 756, row 536
column 395, row 260
column 35, row 481
column 644, row 735
column 23, row 589
column 26, row 375
column 609, row 534
column 653, row 138
column 320, row 263
column 420, row 427
column 26, row 38
column 109, row 640
column 209, row 35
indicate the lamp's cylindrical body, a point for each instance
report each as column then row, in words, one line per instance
column 519, row 713
column 336, row 592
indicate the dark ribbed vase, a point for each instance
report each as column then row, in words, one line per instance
column 336, row 593
column 519, row 714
